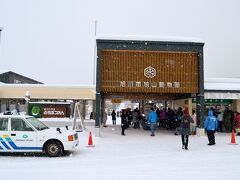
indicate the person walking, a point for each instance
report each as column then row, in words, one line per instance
column 211, row 125
column 178, row 119
column 123, row 121
column 186, row 119
column 152, row 120
column 113, row 117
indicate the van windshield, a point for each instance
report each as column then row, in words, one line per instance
column 37, row 124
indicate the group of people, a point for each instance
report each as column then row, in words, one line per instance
column 184, row 122
column 216, row 120
column 188, row 123
column 13, row 112
column 227, row 120
column 129, row 117
column 211, row 125
column 153, row 119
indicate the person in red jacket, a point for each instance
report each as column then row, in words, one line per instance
column 237, row 123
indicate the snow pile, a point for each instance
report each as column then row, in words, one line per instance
column 227, row 84
column 150, row 38
column 134, row 156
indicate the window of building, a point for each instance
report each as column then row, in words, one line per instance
column 17, row 81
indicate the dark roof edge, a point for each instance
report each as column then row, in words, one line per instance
column 11, row 72
column 222, row 91
column 149, row 41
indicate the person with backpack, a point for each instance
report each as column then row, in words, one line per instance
column 179, row 115
column 186, row 119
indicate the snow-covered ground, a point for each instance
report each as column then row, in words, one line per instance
column 134, row 156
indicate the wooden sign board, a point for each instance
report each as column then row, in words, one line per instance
column 149, row 71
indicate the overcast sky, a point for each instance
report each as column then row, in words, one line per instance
column 52, row 41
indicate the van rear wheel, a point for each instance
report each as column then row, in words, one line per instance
column 53, row 149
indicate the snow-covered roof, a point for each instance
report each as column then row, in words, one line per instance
column 48, row 85
column 2, row 71
column 228, row 84
column 150, row 38
column 43, row 91
column 210, row 84
column 43, row 102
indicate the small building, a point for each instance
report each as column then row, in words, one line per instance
column 13, row 96
column 223, row 92
column 14, row 78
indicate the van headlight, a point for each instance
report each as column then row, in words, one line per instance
column 70, row 138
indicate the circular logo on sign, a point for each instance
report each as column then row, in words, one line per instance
column 149, row 72
column 25, row 136
column 36, row 110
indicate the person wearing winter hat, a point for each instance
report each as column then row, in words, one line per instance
column 185, row 128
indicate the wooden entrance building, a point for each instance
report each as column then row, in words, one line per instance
column 149, row 69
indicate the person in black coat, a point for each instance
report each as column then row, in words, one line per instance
column 113, row 117
column 124, row 121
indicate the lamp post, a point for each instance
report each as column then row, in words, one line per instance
column 27, row 99
column 0, row 33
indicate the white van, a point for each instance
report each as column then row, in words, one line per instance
column 20, row 133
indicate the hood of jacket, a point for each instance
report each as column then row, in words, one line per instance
column 210, row 113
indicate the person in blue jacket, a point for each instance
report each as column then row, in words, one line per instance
column 211, row 125
column 152, row 120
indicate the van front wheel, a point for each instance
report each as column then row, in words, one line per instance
column 53, row 149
